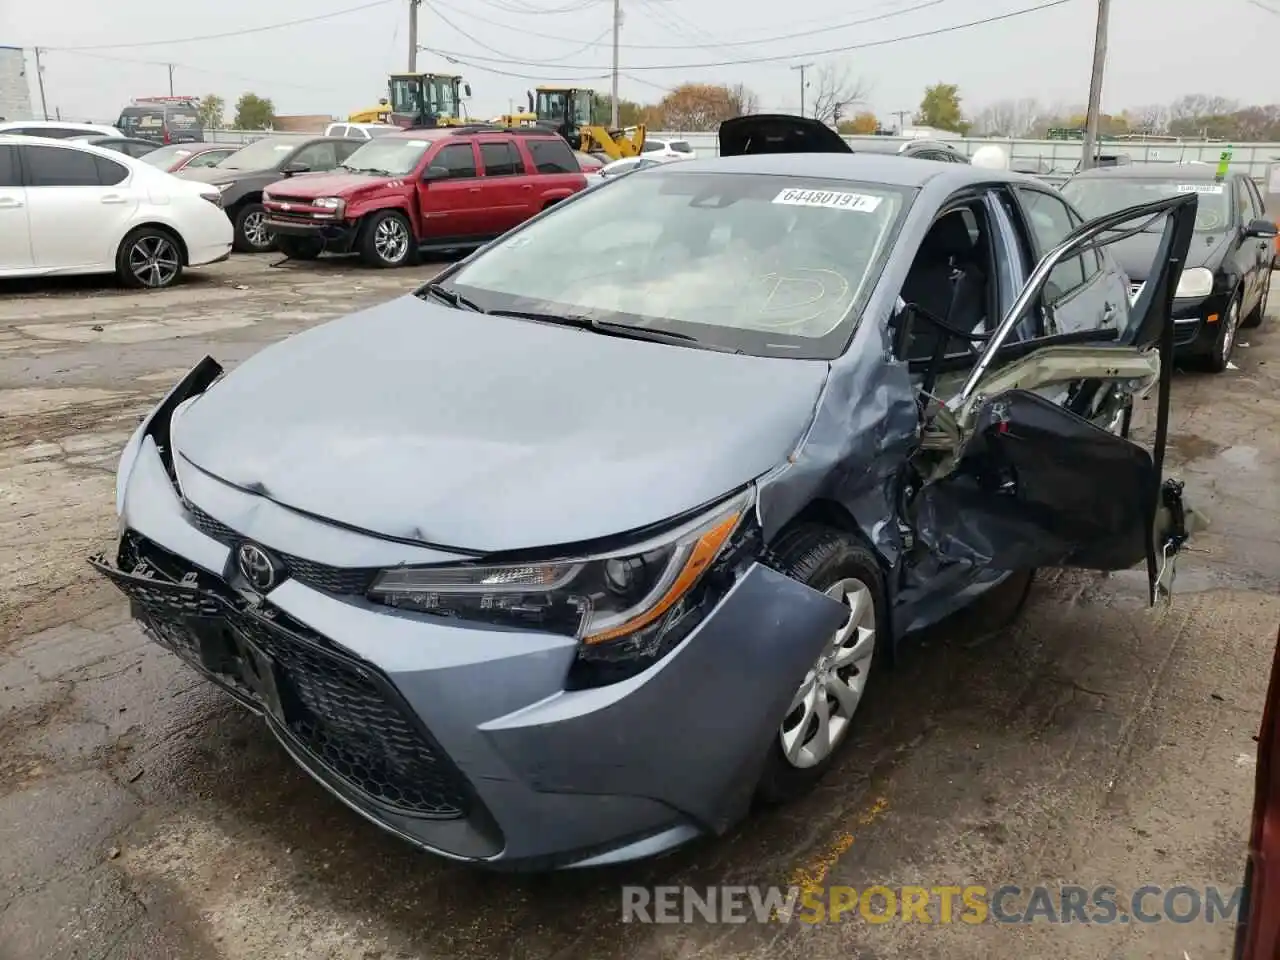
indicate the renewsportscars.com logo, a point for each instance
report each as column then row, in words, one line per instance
column 972, row 904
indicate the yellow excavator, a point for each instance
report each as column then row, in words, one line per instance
column 571, row 112
column 529, row 119
column 379, row 114
column 427, row 100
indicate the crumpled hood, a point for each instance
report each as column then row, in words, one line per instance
column 417, row 421
column 1136, row 255
column 313, row 185
column 220, row 174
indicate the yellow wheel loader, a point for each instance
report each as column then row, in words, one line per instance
column 571, row 112
column 379, row 114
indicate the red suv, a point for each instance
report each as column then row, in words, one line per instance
column 440, row 189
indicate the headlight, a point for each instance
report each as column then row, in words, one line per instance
column 629, row 605
column 1195, row 282
column 329, row 203
column 224, row 187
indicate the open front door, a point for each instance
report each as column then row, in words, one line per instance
column 1014, row 479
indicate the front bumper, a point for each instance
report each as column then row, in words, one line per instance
column 338, row 235
column 462, row 739
column 1196, row 322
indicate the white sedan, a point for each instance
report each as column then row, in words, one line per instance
column 68, row 207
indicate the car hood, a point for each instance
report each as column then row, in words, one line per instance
column 420, row 422
column 221, row 174
column 778, row 133
column 1136, row 255
column 311, row 185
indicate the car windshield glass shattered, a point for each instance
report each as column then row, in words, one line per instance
column 390, row 156
column 1096, row 196
column 259, row 155
column 768, row 265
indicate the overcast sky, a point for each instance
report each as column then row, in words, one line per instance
column 1159, row 49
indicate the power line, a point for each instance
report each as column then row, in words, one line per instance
column 461, row 60
column 829, row 28
column 230, row 33
column 187, row 66
column 505, row 56
column 808, row 53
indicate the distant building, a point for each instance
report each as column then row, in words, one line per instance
column 15, row 92
column 300, row 123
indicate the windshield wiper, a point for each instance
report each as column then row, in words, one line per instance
column 456, row 300
column 601, row 326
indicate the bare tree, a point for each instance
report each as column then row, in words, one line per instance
column 745, row 100
column 1152, row 118
column 1008, row 118
column 835, row 92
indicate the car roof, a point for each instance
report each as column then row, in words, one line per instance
column 889, row 169
column 1187, row 172
column 69, row 143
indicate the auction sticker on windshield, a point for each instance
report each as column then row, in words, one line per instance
column 1199, row 188
column 833, row 199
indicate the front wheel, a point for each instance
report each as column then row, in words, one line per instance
column 1224, row 344
column 820, row 717
column 251, row 233
column 387, row 240
column 149, row 257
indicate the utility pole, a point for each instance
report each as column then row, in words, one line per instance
column 413, row 35
column 617, row 29
column 901, row 115
column 44, row 109
column 1089, row 159
column 171, row 79
column 802, row 67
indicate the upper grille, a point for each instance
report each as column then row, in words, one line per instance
column 338, row 709
column 343, row 581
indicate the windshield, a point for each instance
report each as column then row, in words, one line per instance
column 440, row 94
column 766, row 265
column 551, row 104
column 165, row 157
column 437, row 92
column 388, row 156
column 1095, row 196
column 259, row 155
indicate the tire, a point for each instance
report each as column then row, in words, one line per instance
column 300, row 248
column 834, row 562
column 1259, row 313
column 386, row 240
column 1224, row 343
column 149, row 258
column 251, row 236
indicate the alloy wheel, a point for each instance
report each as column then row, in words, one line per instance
column 391, row 240
column 255, row 230
column 154, row 260
column 821, row 711
column 1229, row 333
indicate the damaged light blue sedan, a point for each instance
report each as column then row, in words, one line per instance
column 570, row 555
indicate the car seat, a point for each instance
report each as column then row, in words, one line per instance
column 947, row 281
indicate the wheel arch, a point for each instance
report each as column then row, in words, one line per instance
column 164, row 227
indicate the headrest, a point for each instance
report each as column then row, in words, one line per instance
column 949, row 237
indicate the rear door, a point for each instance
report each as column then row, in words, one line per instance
column 15, row 234
column 507, row 188
column 1014, row 480
column 80, row 206
column 450, row 198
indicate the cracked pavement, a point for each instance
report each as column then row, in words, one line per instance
column 143, row 815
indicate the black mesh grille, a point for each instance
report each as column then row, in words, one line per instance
column 337, row 709
column 343, row 581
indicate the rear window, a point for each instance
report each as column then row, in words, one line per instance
column 681, row 146
column 151, row 121
column 553, row 156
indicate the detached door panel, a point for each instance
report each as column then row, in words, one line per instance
column 1038, row 486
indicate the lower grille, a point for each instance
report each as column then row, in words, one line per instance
column 336, row 709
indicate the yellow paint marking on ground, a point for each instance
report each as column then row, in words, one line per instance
column 809, row 876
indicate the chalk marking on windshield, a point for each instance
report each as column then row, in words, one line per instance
column 831, row 199
column 1200, row 188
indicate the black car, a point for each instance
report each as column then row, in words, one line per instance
column 163, row 121
column 129, row 146
column 1227, row 276
column 246, row 173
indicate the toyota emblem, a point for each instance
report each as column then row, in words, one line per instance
column 256, row 567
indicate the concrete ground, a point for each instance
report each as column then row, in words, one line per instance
column 143, row 815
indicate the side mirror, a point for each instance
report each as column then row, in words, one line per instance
column 291, row 168
column 1262, row 229
column 466, row 89
column 436, row 173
